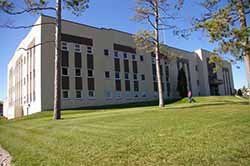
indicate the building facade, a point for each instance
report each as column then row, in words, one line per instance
column 100, row 67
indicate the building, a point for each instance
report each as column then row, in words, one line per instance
column 1, row 108
column 100, row 67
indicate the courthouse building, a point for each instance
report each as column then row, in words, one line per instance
column 100, row 67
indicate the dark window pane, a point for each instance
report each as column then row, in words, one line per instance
column 142, row 77
column 155, row 87
column 118, row 86
column 127, row 85
column 78, row 59
column 136, row 86
column 154, row 69
column 91, row 84
column 65, row 82
column 78, row 72
column 117, row 64
column 106, row 52
column 117, row 75
column 64, row 71
column 65, row 58
column 107, row 74
column 141, row 58
column 90, row 73
column 78, row 83
column 65, row 94
column 90, row 61
column 126, row 66
column 78, row 94
column 135, row 70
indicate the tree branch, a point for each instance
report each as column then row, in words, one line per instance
column 28, row 10
column 27, row 49
column 24, row 27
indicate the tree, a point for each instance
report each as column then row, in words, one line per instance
column 32, row 6
column 156, row 13
column 182, row 83
column 226, row 24
column 239, row 92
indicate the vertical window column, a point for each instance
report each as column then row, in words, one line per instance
column 78, row 72
column 65, row 71
column 90, row 67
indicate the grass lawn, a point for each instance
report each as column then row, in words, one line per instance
column 211, row 131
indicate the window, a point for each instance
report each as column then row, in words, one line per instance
column 136, row 86
column 117, row 65
column 168, row 88
column 107, row 74
column 142, row 77
column 77, row 48
column 127, row 85
column 90, row 61
column 155, row 87
column 78, row 83
column 65, row 82
column 65, row 94
column 125, row 56
column 196, row 68
column 64, row 71
column 90, row 73
column 91, row 84
column 141, row 58
column 91, row 93
column 78, row 59
column 65, row 58
column 198, row 83
column 106, row 52
column 135, row 68
column 78, row 72
column 117, row 75
column 64, row 46
column 133, row 57
column 78, row 94
column 126, row 65
column 118, row 86
column 89, row 50
column 135, row 76
column 116, row 54
column 126, row 76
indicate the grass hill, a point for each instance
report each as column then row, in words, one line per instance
column 211, row 131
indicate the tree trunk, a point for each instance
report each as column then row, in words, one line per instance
column 57, row 81
column 243, row 26
column 157, row 56
column 247, row 62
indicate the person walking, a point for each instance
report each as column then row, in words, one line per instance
column 190, row 96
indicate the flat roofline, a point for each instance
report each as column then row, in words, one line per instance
column 110, row 29
column 81, row 24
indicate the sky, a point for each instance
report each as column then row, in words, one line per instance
column 114, row 14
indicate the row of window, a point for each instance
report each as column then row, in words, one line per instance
column 108, row 94
column 77, row 49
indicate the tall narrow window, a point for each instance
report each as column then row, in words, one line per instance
column 136, row 86
column 118, row 86
column 135, row 68
column 78, row 60
column 90, row 61
column 127, row 85
column 117, row 64
column 126, row 66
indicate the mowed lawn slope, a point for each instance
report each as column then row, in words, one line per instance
column 202, row 133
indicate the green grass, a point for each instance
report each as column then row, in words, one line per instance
column 211, row 131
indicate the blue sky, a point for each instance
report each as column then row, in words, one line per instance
column 114, row 14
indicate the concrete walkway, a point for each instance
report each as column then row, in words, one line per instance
column 5, row 158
